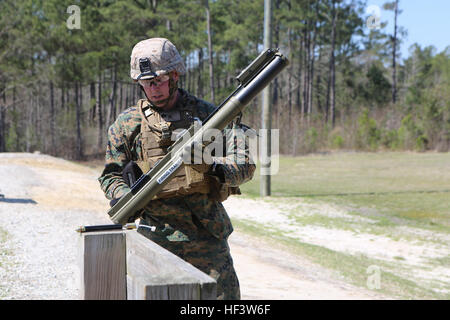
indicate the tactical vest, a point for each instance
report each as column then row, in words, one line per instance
column 156, row 134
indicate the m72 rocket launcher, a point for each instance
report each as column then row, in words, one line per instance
column 252, row 80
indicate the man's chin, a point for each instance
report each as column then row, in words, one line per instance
column 159, row 103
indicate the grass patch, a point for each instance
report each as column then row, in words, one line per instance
column 353, row 268
column 406, row 188
column 424, row 210
column 392, row 190
column 443, row 261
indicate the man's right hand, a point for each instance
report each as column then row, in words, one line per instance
column 131, row 173
column 114, row 201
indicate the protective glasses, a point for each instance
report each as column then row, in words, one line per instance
column 158, row 81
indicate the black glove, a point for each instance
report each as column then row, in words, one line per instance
column 114, row 201
column 131, row 173
column 217, row 170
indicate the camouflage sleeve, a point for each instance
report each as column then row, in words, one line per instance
column 237, row 165
column 117, row 156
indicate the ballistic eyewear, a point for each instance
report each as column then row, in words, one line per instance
column 155, row 81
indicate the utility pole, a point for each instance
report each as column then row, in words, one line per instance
column 265, row 147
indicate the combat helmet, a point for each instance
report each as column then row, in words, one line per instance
column 153, row 57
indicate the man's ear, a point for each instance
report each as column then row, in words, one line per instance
column 175, row 75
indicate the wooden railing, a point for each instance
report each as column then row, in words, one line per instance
column 121, row 265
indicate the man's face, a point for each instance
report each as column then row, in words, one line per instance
column 158, row 89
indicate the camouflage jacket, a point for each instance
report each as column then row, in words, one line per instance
column 176, row 218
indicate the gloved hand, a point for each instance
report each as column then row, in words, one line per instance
column 218, row 171
column 198, row 157
column 114, row 201
column 131, row 173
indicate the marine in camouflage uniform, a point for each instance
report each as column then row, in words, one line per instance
column 193, row 226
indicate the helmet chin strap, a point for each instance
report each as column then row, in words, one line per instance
column 173, row 87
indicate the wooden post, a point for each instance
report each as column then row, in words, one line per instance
column 127, row 265
column 155, row 273
column 103, row 266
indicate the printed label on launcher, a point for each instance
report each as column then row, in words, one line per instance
column 169, row 171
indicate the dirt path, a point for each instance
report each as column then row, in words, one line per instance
column 47, row 198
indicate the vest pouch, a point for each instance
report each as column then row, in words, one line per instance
column 156, row 131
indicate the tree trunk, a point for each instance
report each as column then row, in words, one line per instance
column 52, row 120
column 299, row 77
column 133, row 94
column 18, row 124
column 111, row 114
column 28, row 128
column 37, row 117
column 94, row 103
column 319, row 83
column 303, row 69
column 2, row 121
column 2, row 129
column 311, row 69
column 153, row 5
column 119, row 105
column 62, row 95
column 68, row 96
column 217, row 81
column 127, row 95
column 306, row 68
column 394, row 54
column 289, row 82
column 210, row 51
column 199, row 75
column 332, row 85
column 78, row 106
column 99, row 114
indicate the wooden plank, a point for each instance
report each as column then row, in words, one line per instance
column 139, row 289
column 103, row 266
column 134, row 289
column 184, row 291
column 156, row 273
column 208, row 291
column 156, row 292
column 144, row 257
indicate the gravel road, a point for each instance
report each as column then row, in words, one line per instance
column 47, row 198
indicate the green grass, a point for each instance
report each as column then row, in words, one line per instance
column 389, row 189
column 409, row 188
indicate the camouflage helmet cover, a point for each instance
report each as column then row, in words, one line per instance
column 162, row 55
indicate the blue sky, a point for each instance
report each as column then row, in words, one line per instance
column 427, row 22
